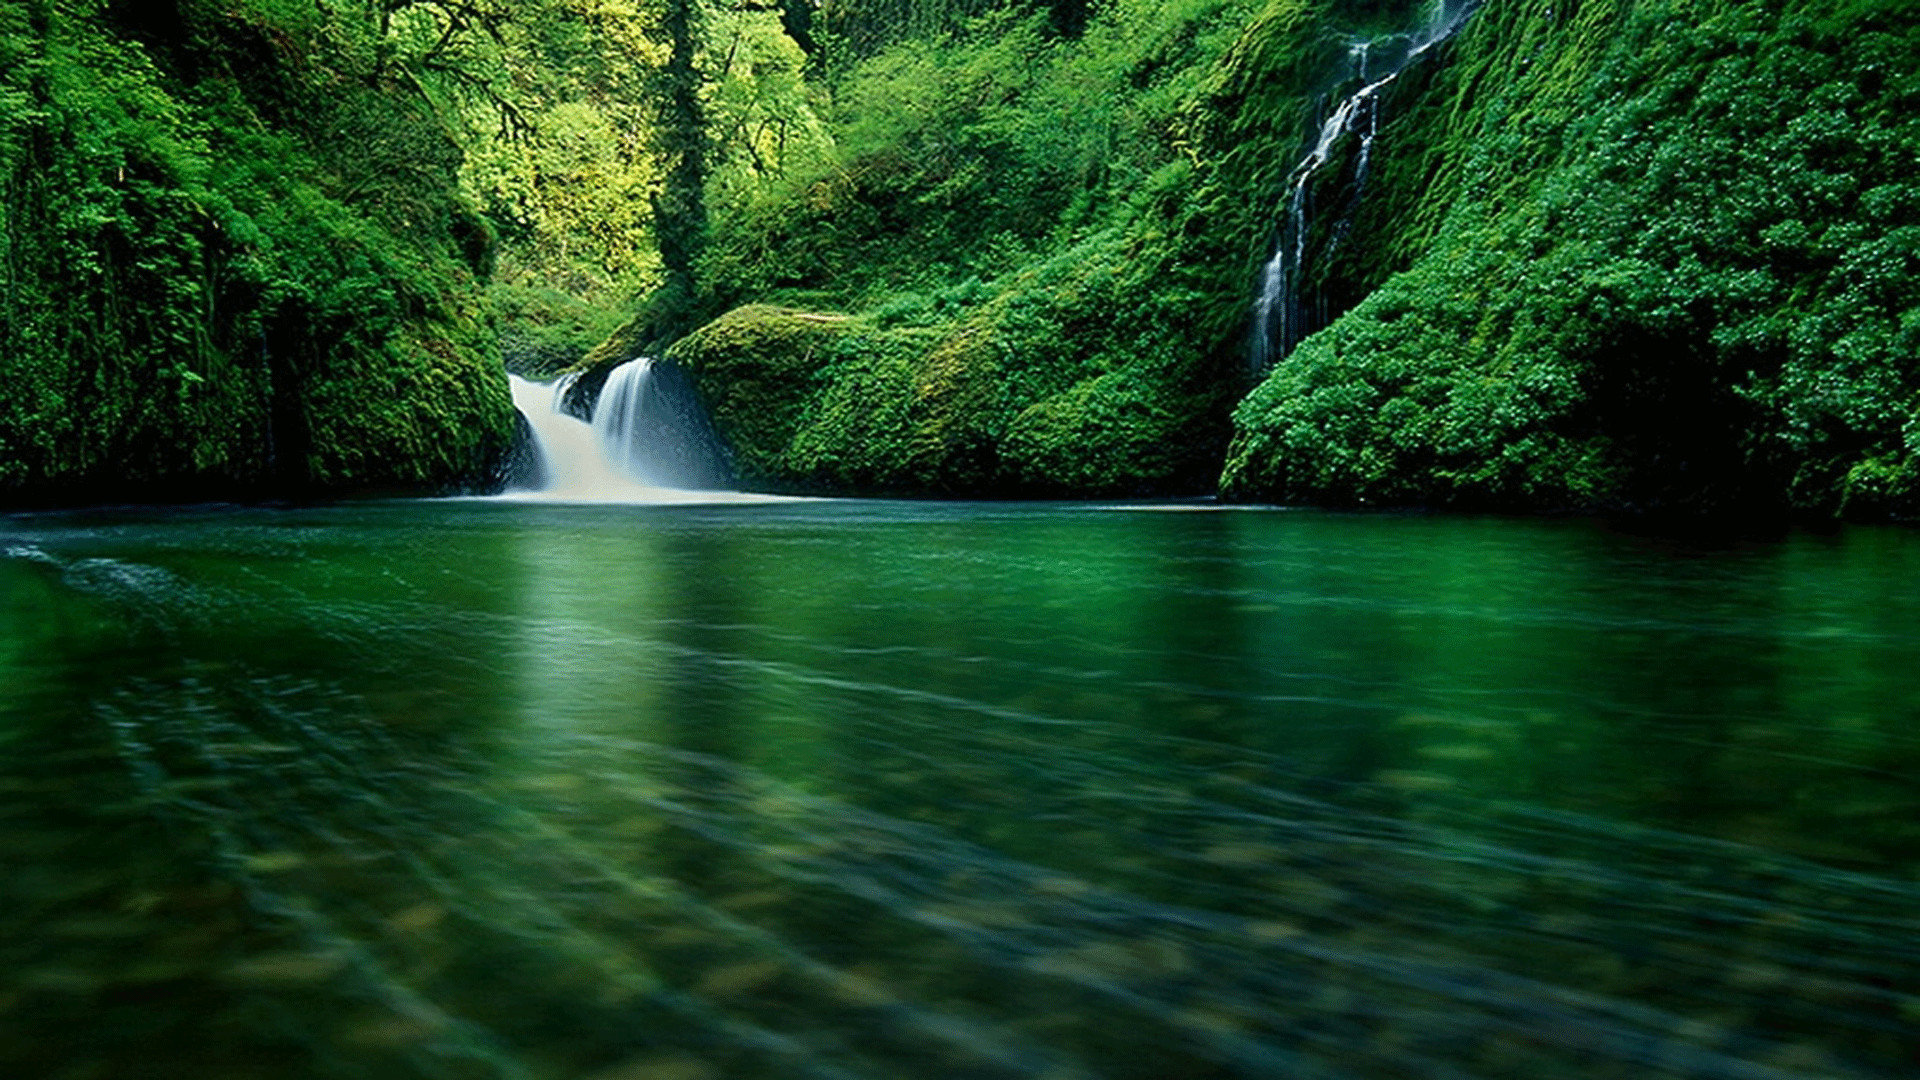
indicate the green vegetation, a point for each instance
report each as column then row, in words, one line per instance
column 1670, row 260
column 634, row 119
column 908, row 400
column 1047, row 298
column 1635, row 254
column 1608, row 255
column 234, row 260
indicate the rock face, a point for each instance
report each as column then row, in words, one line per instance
column 229, row 269
column 523, row 468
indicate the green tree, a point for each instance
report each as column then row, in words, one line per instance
column 680, row 212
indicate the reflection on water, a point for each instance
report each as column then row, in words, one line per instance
column 869, row 790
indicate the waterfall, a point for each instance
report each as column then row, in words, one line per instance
column 650, row 423
column 649, row 440
column 1280, row 315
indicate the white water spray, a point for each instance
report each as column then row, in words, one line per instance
column 643, row 445
column 651, row 425
column 1279, row 315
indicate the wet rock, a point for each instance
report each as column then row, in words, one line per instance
column 860, row 991
column 418, row 919
column 1267, row 931
column 739, row 980
column 391, row 1032
column 275, row 862
column 1241, row 854
column 287, row 968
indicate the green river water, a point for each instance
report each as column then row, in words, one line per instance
column 479, row 789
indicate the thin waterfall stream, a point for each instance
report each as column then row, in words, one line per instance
column 1280, row 314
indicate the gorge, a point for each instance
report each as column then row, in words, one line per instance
column 959, row 539
column 1606, row 256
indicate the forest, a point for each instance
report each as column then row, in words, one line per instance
column 1526, row 255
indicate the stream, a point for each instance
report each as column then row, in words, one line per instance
column 735, row 789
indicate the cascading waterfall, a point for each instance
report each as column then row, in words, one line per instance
column 1280, row 315
column 650, row 424
column 649, row 440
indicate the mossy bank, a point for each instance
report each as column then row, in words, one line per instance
column 1667, row 259
column 234, row 263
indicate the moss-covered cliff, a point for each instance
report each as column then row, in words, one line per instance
column 233, row 263
column 1602, row 254
column 1666, row 257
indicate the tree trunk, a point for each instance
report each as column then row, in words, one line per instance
column 682, row 209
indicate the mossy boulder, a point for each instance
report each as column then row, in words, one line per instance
column 825, row 402
column 1040, row 390
column 757, row 368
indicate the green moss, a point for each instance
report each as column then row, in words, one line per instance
column 1136, row 431
column 228, row 271
column 1661, row 266
column 858, row 432
column 759, row 368
column 1062, row 382
column 827, row 402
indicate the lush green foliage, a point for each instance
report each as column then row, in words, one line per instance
column 1607, row 254
column 1045, row 309
column 234, row 262
column 599, row 189
column 1700, row 287
column 974, row 155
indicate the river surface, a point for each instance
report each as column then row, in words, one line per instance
column 476, row 789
